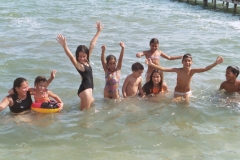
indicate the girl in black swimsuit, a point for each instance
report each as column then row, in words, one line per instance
column 81, row 63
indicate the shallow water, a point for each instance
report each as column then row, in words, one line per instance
column 153, row 128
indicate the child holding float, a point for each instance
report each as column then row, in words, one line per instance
column 112, row 70
column 43, row 97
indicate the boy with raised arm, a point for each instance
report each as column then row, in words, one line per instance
column 184, row 75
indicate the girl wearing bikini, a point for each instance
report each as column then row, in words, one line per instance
column 155, row 85
column 42, row 94
column 81, row 63
column 112, row 72
column 154, row 54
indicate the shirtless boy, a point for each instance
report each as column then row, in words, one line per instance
column 231, row 84
column 133, row 83
column 184, row 75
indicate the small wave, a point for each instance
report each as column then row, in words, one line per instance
column 235, row 24
column 26, row 21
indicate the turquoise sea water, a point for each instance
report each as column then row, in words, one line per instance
column 208, row 128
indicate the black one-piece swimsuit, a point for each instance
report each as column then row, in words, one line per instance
column 87, row 78
column 21, row 105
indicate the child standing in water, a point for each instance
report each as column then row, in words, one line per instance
column 42, row 94
column 133, row 83
column 154, row 54
column 184, row 75
column 112, row 72
column 231, row 84
column 81, row 63
column 155, row 85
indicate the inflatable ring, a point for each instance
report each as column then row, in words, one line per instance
column 45, row 107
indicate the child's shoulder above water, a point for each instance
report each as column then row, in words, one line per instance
column 231, row 84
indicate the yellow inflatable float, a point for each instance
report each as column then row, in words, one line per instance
column 45, row 107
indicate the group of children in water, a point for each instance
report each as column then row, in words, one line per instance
column 133, row 84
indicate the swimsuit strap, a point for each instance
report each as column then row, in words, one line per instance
column 154, row 57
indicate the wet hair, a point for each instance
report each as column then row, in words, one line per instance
column 154, row 40
column 110, row 57
column 161, row 75
column 17, row 83
column 187, row 55
column 137, row 66
column 148, row 86
column 82, row 48
column 39, row 79
column 234, row 70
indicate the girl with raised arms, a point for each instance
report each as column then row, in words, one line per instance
column 112, row 70
column 81, row 63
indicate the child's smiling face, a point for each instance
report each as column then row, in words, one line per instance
column 154, row 46
column 156, row 78
column 41, row 86
column 82, row 57
column 187, row 62
column 112, row 64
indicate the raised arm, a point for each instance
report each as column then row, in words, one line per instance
column 219, row 60
column 149, row 63
column 170, row 57
column 104, row 64
column 62, row 40
column 119, row 66
column 53, row 74
column 99, row 27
